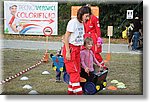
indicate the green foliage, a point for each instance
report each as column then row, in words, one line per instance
column 110, row 14
column 64, row 12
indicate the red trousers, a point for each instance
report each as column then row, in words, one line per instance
column 73, row 69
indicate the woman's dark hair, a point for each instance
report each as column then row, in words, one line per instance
column 83, row 10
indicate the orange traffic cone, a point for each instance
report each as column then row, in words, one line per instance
column 108, row 57
column 46, row 57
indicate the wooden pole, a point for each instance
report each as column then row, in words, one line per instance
column 46, row 43
column 109, row 45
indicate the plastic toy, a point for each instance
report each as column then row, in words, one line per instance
column 112, row 88
column 58, row 62
column 97, row 82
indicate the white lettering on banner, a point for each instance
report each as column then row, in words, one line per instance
column 26, row 7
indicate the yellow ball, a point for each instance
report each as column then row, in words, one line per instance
column 54, row 68
column 97, row 87
column 105, row 84
column 61, row 69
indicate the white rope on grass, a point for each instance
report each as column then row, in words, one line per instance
column 22, row 72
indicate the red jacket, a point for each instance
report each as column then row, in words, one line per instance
column 92, row 29
column 92, row 26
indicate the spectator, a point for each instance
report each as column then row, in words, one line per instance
column 136, row 33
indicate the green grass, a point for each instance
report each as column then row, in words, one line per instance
column 126, row 68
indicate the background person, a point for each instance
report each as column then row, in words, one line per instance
column 136, row 33
column 92, row 30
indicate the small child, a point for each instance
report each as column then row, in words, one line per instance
column 88, row 59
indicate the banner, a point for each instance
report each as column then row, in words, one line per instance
column 30, row 18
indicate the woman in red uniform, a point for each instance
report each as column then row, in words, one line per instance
column 92, row 30
column 73, row 39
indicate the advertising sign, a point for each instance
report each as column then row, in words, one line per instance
column 30, row 18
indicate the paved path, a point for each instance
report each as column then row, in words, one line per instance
column 35, row 45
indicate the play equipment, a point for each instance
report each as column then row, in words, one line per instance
column 58, row 62
column 120, row 85
column 27, row 87
column 112, row 88
column 24, row 78
column 45, row 72
column 97, row 82
column 33, row 92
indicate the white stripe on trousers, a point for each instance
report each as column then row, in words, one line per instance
column 74, row 84
column 75, row 90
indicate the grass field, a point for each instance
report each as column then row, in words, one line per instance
column 126, row 68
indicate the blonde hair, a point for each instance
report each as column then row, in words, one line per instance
column 88, row 40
